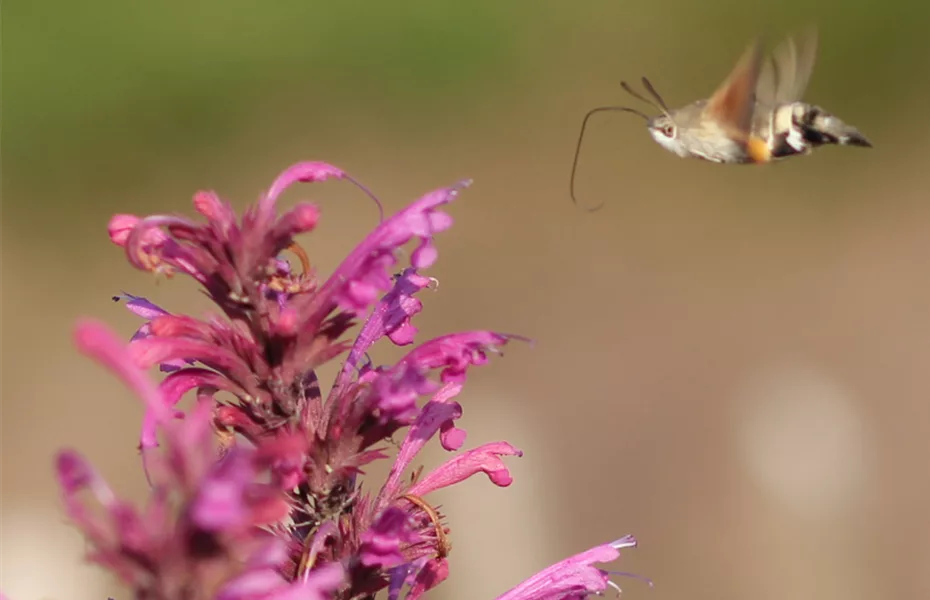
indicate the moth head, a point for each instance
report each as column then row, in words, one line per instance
column 663, row 128
column 665, row 132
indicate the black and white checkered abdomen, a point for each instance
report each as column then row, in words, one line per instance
column 798, row 128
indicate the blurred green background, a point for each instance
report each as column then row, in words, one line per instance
column 731, row 362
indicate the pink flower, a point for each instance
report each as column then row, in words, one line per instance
column 255, row 491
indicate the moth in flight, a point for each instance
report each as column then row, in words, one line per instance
column 756, row 116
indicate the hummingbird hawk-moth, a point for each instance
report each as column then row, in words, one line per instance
column 756, row 116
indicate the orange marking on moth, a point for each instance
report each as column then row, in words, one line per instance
column 759, row 150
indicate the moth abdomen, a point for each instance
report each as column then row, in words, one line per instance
column 798, row 128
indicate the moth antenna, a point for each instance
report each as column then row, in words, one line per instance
column 658, row 97
column 584, row 125
column 659, row 107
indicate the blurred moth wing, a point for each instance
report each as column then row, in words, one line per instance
column 787, row 72
column 732, row 104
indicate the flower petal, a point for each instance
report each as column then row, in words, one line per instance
column 450, row 436
column 302, row 218
column 220, row 503
column 156, row 350
column 354, row 285
column 306, row 172
column 574, row 577
column 393, row 395
column 217, row 212
column 75, row 475
column 318, row 584
column 310, row 172
column 437, row 412
column 173, row 387
column 382, row 542
column 120, row 226
column 99, row 342
column 141, row 307
column 327, row 531
column 253, row 585
column 484, row 459
column 149, row 247
column 101, row 528
column 454, row 353
column 390, row 317
column 431, row 575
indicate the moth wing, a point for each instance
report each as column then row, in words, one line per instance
column 787, row 72
column 732, row 103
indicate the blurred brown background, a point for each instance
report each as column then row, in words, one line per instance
column 732, row 363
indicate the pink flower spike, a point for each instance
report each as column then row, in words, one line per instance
column 484, row 458
column 264, row 489
column 574, row 577
column 99, row 342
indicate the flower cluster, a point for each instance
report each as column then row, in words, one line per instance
column 256, row 490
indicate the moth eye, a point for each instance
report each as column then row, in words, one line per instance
column 668, row 130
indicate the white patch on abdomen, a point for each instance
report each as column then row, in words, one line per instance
column 795, row 137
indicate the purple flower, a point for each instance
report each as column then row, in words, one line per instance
column 256, row 491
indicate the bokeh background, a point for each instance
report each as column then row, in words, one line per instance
column 731, row 363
